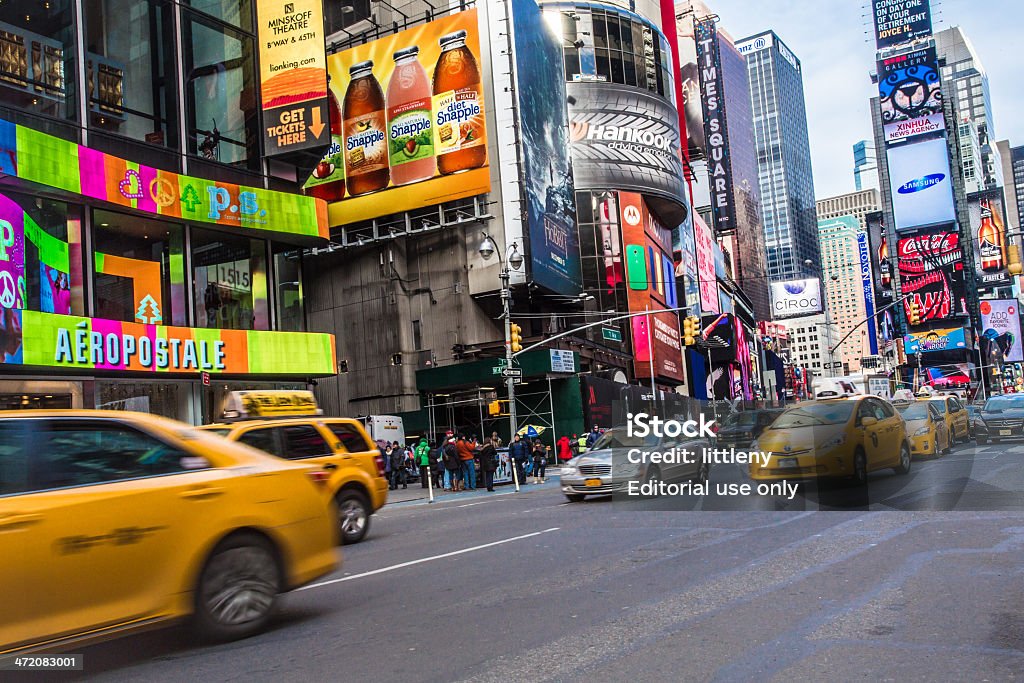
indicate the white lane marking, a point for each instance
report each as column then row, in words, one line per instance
column 428, row 559
column 471, row 504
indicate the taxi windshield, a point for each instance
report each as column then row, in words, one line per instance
column 815, row 414
column 913, row 411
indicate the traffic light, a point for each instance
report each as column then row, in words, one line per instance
column 913, row 312
column 1013, row 264
column 494, row 408
column 516, row 337
column 691, row 330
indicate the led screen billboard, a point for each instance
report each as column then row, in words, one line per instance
column 900, row 21
column 922, row 189
column 1000, row 331
column 796, row 298
column 988, row 234
column 547, row 176
column 716, row 133
column 909, row 86
column 931, row 270
column 413, row 115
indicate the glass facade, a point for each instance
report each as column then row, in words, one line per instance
column 603, row 43
column 784, row 162
column 229, row 281
column 37, row 57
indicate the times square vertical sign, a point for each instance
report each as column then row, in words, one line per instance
column 716, row 136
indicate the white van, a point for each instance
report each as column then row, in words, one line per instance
column 385, row 428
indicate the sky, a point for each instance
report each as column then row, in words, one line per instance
column 831, row 39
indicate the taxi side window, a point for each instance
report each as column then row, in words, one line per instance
column 934, row 413
column 261, row 439
column 304, row 441
column 350, row 437
column 954, row 405
column 886, row 409
column 940, row 406
column 83, row 452
column 864, row 410
column 13, row 456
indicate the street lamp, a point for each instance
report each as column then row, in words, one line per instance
column 514, row 260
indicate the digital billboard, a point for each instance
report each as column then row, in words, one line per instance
column 922, row 189
column 1000, row 331
column 900, row 21
column 881, row 272
column 716, row 134
column 934, row 341
column 413, row 116
column 796, row 298
column 909, row 86
column 704, row 241
column 988, row 233
column 293, row 75
column 54, row 162
column 931, row 270
column 64, row 341
column 693, row 109
column 625, row 138
column 867, row 288
column 650, row 285
column 547, row 177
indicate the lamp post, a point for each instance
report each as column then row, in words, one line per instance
column 514, row 260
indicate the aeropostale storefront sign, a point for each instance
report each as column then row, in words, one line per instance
column 64, row 341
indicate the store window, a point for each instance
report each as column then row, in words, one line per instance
column 288, row 282
column 229, row 281
column 167, row 399
column 138, row 269
column 37, row 57
column 130, row 69
column 220, row 90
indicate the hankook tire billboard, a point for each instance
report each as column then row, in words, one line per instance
column 625, row 139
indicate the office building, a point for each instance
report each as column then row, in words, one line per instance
column 964, row 77
column 840, row 219
column 1013, row 175
column 865, row 166
column 783, row 156
column 810, row 339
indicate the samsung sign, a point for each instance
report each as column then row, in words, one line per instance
column 796, row 298
column 919, row 177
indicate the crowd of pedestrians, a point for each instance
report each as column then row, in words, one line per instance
column 461, row 463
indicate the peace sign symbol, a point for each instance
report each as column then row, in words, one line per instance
column 7, row 290
column 162, row 192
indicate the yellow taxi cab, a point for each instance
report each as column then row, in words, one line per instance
column 287, row 424
column 955, row 416
column 929, row 434
column 115, row 521
column 845, row 437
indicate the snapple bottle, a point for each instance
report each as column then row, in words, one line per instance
column 327, row 181
column 410, row 134
column 366, row 149
column 458, row 108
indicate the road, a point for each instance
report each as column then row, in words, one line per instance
column 524, row 587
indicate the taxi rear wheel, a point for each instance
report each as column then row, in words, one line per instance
column 238, row 588
column 904, row 466
column 353, row 517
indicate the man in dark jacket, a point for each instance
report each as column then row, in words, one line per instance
column 593, row 436
column 519, row 453
column 488, row 464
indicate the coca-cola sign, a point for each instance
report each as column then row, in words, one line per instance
column 931, row 269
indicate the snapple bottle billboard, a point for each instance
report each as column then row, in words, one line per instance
column 413, row 120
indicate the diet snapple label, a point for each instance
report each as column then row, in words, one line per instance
column 457, row 119
column 365, row 144
column 410, row 133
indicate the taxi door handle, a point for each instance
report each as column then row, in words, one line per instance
column 330, row 466
column 15, row 520
column 201, row 493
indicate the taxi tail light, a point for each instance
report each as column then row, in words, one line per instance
column 319, row 477
column 378, row 460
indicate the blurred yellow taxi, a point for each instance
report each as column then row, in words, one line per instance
column 355, row 488
column 841, row 438
column 955, row 415
column 926, row 428
column 115, row 521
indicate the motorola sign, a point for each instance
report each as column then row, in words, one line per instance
column 795, row 298
column 625, row 138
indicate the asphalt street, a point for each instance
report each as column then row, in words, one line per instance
column 527, row 587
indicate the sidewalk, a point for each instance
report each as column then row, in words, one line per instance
column 418, row 494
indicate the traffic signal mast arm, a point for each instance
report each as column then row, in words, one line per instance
column 599, row 322
column 858, row 325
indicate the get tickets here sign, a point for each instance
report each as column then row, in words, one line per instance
column 48, row 160
column 65, row 341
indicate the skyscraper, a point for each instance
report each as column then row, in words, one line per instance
column 966, row 76
column 865, row 166
column 1013, row 175
column 840, row 220
column 783, row 157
